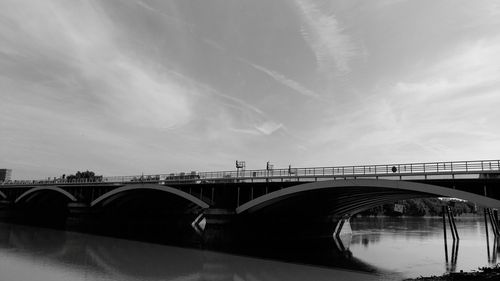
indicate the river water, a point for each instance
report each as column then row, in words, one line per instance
column 415, row 247
column 395, row 248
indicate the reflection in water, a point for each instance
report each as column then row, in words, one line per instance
column 495, row 248
column 365, row 238
column 492, row 259
column 396, row 247
column 452, row 266
column 414, row 246
column 28, row 253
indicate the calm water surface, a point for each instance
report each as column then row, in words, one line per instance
column 415, row 246
column 395, row 247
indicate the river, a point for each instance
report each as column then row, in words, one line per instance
column 395, row 248
column 415, row 247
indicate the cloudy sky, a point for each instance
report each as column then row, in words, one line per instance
column 152, row 86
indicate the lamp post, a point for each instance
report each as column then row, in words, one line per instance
column 239, row 165
column 269, row 169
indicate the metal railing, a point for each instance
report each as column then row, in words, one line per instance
column 386, row 170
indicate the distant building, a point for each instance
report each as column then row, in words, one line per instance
column 5, row 174
column 450, row 199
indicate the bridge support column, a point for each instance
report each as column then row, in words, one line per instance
column 218, row 231
column 343, row 226
column 79, row 217
column 5, row 210
column 343, row 233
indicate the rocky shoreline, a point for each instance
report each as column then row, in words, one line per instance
column 484, row 273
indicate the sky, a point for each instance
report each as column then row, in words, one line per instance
column 124, row 87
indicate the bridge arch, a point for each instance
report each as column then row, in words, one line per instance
column 46, row 188
column 157, row 187
column 388, row 191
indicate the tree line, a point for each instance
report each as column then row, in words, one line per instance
column 421, row 207
column 87, row 175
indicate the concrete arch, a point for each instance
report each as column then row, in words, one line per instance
column 410, row 187
column 2, row 195
column 42, row 188
column 163, row 188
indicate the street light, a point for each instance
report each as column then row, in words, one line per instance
column 239, row 165
column 269, row 166
column 269, row 169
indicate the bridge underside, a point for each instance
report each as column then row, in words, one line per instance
column 146, row 214
column 303, row 217
column 287, row 217
column 332, row 201
column 48, row 209
column 304, row 222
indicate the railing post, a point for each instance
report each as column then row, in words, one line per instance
column 238, row 198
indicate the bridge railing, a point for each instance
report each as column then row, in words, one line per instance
column 410, row 169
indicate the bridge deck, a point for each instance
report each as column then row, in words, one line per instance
column 409, row 171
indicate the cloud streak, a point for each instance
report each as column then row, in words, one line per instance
column 282, row 79
column 332, row 47
column 130, row 86
column 466, row 72
column 87, row 60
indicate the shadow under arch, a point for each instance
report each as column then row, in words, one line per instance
column 44, row 188
column 298, row 222
column 44, row 206
column 361, row 194
column 2, row 195
column 148, row 212
column 101, row 199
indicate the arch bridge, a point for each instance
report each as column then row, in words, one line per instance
column 252, row 203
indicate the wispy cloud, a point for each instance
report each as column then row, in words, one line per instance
column 91, row 65
column 166, row 16
column 227, row 99
column 445, row 109
column 466, row 72
column 332, row 47
column 268, row 128
column 445, row 106
column 282, row 79
column 130, row 86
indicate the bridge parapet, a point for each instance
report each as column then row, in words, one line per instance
column 479, row 168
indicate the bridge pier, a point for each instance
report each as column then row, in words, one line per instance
column 219, row 229
column 5, row 210
column 79, row 217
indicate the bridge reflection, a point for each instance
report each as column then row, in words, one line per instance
column 116, row 259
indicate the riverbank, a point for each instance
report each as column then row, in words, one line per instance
column 465, row 215
column 484, row 273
